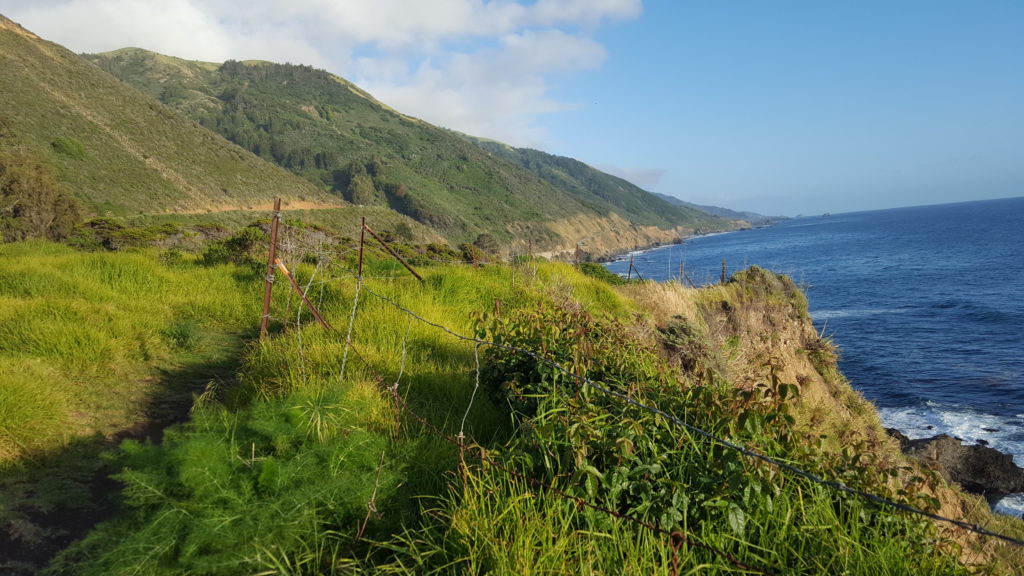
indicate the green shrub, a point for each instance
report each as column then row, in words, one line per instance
column 245, row 247
column 69, row 147
column 32, row 204
column 595, row 270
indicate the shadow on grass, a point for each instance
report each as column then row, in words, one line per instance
column 57, row 497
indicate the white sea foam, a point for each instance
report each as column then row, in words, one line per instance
column 830, row 314
column 1011, row 505
column 968, row 425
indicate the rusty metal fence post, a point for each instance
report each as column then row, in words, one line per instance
column 269, row 288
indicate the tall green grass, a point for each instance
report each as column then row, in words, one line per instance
column 303, row 468
column 83, row 335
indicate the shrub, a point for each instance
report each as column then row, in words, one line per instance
column 595, row 270
column 32, row 203
column 69, row 147
column 241, row 248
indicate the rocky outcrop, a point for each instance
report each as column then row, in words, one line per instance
column 978, row 469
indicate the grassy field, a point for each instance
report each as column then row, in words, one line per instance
column 322, row 458
column 95, row 347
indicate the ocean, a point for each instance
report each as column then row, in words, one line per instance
column 926, row 305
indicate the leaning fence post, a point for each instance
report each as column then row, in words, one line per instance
column 298, row 290
column 392, row 252
column 629, row 273
column 269, row 288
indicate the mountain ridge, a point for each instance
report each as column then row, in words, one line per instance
column 117, row 151
column 332, row 132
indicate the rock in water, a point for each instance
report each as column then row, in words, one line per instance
column 978, row 469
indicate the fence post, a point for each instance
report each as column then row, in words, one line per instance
column 362, row 238
column 723, row 271
column 298, row 290
column 629, row 273
column 391, row 251
column 269, row 288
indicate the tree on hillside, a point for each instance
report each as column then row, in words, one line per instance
column 32, row 204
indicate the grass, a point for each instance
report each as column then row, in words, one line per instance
column 95, row 347
column 298, row 468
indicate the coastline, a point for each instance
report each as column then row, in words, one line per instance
column 925, row 421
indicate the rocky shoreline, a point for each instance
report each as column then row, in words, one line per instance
column 976, row 468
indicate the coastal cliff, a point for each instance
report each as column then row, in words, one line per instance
column 756, row 329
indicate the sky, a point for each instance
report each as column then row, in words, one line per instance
column 781, row 107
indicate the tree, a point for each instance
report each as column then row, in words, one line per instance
column 487, row 243
column 32, row 204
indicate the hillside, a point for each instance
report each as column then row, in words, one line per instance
column 600, row 190
column 117, row 150
column 751, row 217
column 455, row 441
column 334, row 134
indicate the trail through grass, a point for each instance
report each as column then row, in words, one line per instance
column 95, row 347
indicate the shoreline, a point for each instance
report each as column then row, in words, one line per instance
column 972, row 430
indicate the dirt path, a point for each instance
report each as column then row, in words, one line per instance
column 266, row 207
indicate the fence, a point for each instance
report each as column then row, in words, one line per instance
column 675, row 540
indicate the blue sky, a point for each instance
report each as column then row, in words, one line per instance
column 782, row 107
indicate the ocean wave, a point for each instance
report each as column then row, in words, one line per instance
column 855, row 313
column 970, row 426
column 1011, row 505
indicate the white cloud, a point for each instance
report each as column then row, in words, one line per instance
column 482, row 67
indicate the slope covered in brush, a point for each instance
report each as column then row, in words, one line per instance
column 328, row 130
column 600, row 190
column 117, row 150
column 398, row 447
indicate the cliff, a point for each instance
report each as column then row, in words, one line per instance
column 756, row 328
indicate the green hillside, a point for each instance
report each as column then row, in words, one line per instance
column 599, row 190
column 337, row 136
column 752, row 217
column 117, row 150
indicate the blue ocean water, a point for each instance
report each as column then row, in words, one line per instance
column 926, row 305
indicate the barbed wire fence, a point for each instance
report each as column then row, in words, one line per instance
column 331, row 265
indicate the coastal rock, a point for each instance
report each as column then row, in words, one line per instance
column 978, row 469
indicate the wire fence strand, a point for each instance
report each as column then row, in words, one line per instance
column 676, row 421
column 676, row 539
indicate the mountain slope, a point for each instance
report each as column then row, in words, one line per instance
column 601, row 190
column 336, row 135
column 751, row 217
column 117, row 150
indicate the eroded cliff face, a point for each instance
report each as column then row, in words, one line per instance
column 756, row 329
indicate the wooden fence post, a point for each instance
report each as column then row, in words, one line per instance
column 269, row 288
column 723, row 271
